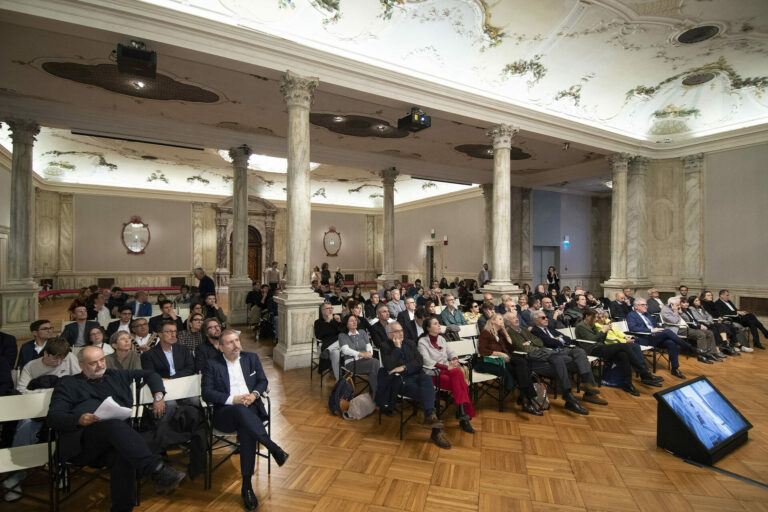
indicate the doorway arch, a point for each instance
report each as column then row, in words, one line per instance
column 254, row 254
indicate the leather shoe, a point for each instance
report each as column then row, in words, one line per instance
column 677, row 373
column 703, row 359
column 589, row 388
column 250, row 502
column 440, row 440
column 632, row 390
column 650, row 382
column 593, row 399
column 166, row 479
column 466, row 426
column 575, row 407
column 280, row 456
column 432, row 421
column 761, row 347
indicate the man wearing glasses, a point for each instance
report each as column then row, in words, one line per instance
column 42, row 331
column 406, row 319
column 168, row 359
column 143, row 339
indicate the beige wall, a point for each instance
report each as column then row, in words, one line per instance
column 99, row 223
column 352, row 227
column 665, row 216
column 736, row 219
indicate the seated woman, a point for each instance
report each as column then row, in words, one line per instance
column 160, row 298
column 327, row 329
column 473, row 313
column 527, row 290
column 183, row 297
column 95, row 337
column 565, row 295
column 356, row 308
column 357, row 351
column 196, row 308
column 557, row 299
column 487, row 310
column 541, row 292
column 124, row 356
column 625, row 357
column 357, row 294
column 192, row 336
column 494, row 341
column 726, row 332
column 444, row 284
column 436, row 353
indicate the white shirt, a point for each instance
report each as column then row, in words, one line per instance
column 411, row 314
column 39, row 348
column 729, row 305
column 169, row 357
column 124, row 327
column 103, row 316
column 647, row 322
column 143, row 341
column 237, row 385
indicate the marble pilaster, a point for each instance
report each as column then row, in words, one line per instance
column 637, row 228
column 222, row 266
column 239, row 283
column 619, row 168
column 297, row 304
column 197, row 234
column 526, row 269
column 501, row 135
column 18, row 296
column 387, row 277
column 487, row 189
column 66, row 232
column 693, row 261
column 269, row 227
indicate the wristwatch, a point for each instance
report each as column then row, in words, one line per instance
column 158, row 397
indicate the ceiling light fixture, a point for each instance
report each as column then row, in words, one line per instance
column 338, row 119
column 266, row 163
column 698, row 34
column 138, row 84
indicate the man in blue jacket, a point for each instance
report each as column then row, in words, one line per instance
column 234, row 383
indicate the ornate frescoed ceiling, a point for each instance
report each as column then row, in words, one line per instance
column 613, row 64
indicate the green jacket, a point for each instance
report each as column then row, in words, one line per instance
column 584, row 332
column 518, row 338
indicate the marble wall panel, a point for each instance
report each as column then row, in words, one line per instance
column 46, row 237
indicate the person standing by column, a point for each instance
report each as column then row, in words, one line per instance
column 272, row 276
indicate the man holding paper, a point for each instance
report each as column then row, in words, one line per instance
column 87, row 439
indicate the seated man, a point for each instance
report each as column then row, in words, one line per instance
column 116, row 299
column 378, row 331
column 412, row 289
column 76, row 333
column 451, row 315
column 620, row 307
column 643, row 326
column 534, row 306
column 38, row 376
column 142, row 338
column 87, row 440
column 184, row 297
column 168, row 359
column 212, row 310
column 703, row 339
column 622, row 354
column 234, row 382
column 654, row 303
column 575, row 312
column 140, row 304
column 258, row 302
column 566, row 345
column 337, row 299
column 210, row 347
column 406, row 320
column 42, row 331
column 396, row 305
column 327, row 329
column 401, row 358
column 167, row 313
column 725, row 308
column 97, row 309
column 123, row 323
column 554, row 315
column 544, row 361
column 371, row 304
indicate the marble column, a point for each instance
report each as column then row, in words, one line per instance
column 66, row 234
column 501, row 136
column 18, row 296
column 297, row 304
column 240, row 282
column 269, row 227
column 387, row 277
column 637, row 223
column 526, row 267
column 222, row 266
column 693, row 261
column 487, row 189
column 619, row 166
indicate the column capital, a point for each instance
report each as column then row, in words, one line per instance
column 23, row 131
column 221, row 221
column 639, row 165
column 619, row 161
column 298, row 91
column 487, row 189
column 239, row 156
column 66, row 198
column 693, row 163
column 501, row 135
column 388, row 176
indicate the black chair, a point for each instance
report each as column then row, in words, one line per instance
column 314, row 362
column 400, row 401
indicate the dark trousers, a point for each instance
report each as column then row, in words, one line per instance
column 751, row 322
column 250, row 431
column 624, row 357
column 666, row 339
column 420, row 388
column 113, row 443
column 556, row 366
column 515, row 371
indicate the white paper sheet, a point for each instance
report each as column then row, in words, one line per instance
column 111, row 410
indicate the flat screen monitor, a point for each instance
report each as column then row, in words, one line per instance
column 707, row 414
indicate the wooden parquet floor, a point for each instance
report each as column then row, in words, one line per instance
column 607, row 461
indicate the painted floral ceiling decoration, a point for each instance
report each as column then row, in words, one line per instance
column 612, row 64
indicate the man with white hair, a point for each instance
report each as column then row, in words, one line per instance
column 85, row 439
column 395, row 306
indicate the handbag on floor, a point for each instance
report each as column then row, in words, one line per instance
column 541, row 399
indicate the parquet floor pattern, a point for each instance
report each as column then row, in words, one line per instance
column 607, row 461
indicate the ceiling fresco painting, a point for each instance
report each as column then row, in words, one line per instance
column 612, row 64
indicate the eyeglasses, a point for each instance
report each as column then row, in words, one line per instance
column 50, row 328
column 213, row 327
column 170, row 332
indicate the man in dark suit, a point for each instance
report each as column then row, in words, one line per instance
column 378, row 332
column 619, row 307
column 117, row 298
column 566, row 346
column 123, row 323
column 168, row 359
column 234, row 383
column 406, row 319
column 87, row 440
column 76, row 333
column 206, row 286
column 643, row 326
column 167, row 313
column 725, row 308
column 654, row 302
column 42, row 331
column 140, row 304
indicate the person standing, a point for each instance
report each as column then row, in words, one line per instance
column 272, row 276
column 553, row 279
column 484, row 275
column 206, row 286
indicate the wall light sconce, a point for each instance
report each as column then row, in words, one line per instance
column 566, row 242
column 445, row 240
column 432, row 234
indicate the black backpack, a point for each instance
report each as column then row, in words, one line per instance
column 342, row 393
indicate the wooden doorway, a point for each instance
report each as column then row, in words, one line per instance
column 254, row 254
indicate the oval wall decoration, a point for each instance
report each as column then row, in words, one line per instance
column 135, row 235
column 332, row 242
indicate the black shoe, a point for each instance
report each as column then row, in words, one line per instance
column 630, row 388
column 387, row 411
column 466, row 426
column 250, row 502
column 575, row 407
column 166, row 479
column 651, row 382
column 280, row 456
column 703, row 359
column 699, row 351
column 677, row 373
column 761, row 347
